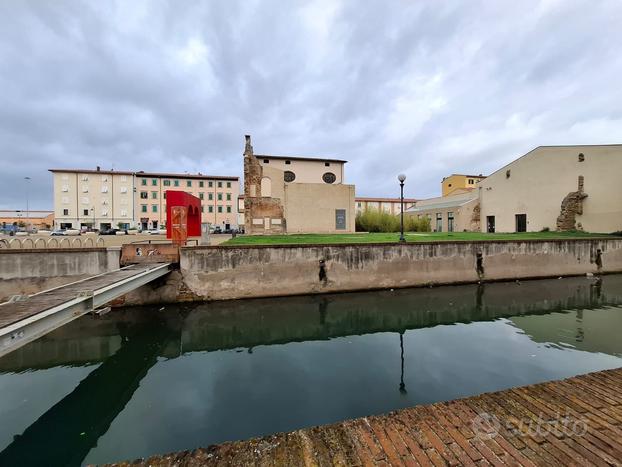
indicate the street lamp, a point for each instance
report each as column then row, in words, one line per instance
column 93, row 211
column 27, row 200
column 402, row 178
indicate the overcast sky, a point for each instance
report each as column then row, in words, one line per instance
column 427, row 88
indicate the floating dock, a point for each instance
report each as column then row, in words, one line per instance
column 576, row 421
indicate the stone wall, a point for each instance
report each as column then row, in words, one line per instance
column 221, row 273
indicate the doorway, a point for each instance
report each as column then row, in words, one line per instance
column 521, row 222
column 490, row 224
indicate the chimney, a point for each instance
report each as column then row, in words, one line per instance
column 98, row 168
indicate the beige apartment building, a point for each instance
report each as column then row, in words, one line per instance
column 103, row 199
column 555, row 187
column 389, row 205
column 285, row 194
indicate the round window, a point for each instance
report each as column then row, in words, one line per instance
column 289, row 176
column 329, row 177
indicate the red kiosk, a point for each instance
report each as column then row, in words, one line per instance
column 183, row 216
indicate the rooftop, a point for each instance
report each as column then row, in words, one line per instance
column 297, row 158
column 147, row 174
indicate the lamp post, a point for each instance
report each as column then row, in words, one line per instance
column 93, row 211
column 402, row 178
column 27, row 202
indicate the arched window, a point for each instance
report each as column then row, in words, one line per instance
column 266, row 187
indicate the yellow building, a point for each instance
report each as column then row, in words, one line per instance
column 460, row 182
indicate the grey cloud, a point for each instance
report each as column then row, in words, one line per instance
column 424, row 88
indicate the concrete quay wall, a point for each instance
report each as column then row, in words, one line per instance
column 31, row 271
column 223, row 273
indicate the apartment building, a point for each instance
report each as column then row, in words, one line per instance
column 102, row 199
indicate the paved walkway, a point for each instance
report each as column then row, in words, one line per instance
column 577, row 421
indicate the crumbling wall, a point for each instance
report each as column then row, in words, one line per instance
column 259, row 209
column 572, row 206
column 475, row 218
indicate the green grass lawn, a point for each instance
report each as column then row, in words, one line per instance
column 394, row 237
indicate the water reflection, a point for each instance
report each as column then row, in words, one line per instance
column 310, row 380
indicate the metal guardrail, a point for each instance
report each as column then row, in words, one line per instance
column 29, row 243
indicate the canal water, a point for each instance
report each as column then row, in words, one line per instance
column 142, row 381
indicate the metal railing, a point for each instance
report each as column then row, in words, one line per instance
column 29, row 243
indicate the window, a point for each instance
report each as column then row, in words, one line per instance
column 219, row 184
column 154, row 195
column 508, row 173
column 175, row 182
column 219, row 208
column 201, row 184
column 210, row 209
column 439, row 222
column 143, row 182
column 450, row 222
column 228, row 208
column 210, row 196
column 123, row 189
column 228, row 184
column 266, row 161
column 188, row 182
column 124, row 178
column 105, row 213
column 581, row 157
column 104, row 178
column 85, row 212
column 289, row 176
column 210, row 184
column 166, row 182
column 154, row 208
column 329, row 177
column 201, row 196
column 164, row 195
column 521, row 222
column 143, row 195
column 288, row 162
column 470, row 181
column 143, row 208
column 154, row 182
column 65, row 188
column 326, row 164
column 219, row 196
column 85, row 188
column 104, row 189
column 65, row 212
column 123, row 212
column 85, row 178
column 228, row 196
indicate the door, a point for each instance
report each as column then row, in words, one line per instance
column 490, row 224
column 266, row 223
column 521, row 222
column 340, row 219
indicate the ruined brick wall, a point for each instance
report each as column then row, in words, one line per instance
column 475, row 218
column 572, row 205
column 258, row 208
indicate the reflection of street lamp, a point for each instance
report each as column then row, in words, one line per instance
column 93, row 212
column 401, row 178
column 27, row 200
column 402, row 385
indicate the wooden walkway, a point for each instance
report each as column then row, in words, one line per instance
column 577, row 421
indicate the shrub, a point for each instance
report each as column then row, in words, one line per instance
column 372, row 220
